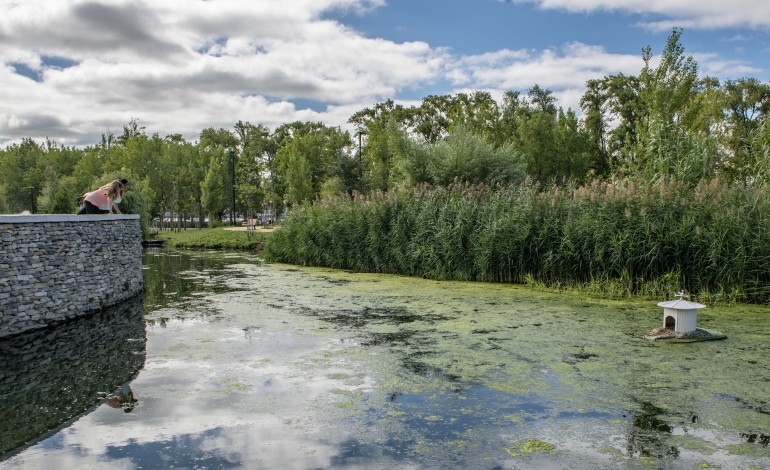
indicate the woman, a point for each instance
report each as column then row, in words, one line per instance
column 105, row 200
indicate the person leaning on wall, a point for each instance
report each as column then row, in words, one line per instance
column 105, row 200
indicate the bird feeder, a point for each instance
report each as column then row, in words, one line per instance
column 680, row 315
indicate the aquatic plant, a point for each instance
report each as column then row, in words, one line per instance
column 620, row 236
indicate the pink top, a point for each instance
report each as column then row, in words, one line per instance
column 99, row 199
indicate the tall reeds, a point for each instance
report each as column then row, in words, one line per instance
column 621, row 236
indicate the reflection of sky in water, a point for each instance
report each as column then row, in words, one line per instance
column 275, row 367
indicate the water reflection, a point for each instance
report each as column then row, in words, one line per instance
column 648, row 434
column 51, row 376
column 180, row 279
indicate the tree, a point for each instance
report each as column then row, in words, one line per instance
column 747, row 102
column 412, row 162
column 298, row 173
column 256, row 149
column 467, row 157
column 132, row 129
column 593, row 104
column 667, row 97
column 22, row 175
column 321, row 149
column 213, row 185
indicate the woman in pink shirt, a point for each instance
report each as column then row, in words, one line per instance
column 105, row 199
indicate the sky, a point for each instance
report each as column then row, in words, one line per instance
column 72, row 70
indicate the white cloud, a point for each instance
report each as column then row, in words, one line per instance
column 714, row 66
column 563, row 71
column 703, row 14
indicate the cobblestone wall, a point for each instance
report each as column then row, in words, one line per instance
column 54, row 268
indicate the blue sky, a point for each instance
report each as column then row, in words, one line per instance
column 72, row 70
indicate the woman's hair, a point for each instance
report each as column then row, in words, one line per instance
column 115, row 189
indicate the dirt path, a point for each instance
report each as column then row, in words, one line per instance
column 256, row 229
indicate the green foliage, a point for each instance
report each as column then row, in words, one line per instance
column 58, row 196
column 308, row 154
column 297, row 174
column 467, row 157
column 22, row 175
column 628, row 237
column 213, row 195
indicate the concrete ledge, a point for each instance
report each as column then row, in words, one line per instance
column 28, row 219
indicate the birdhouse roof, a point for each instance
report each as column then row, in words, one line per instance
column 681, row 304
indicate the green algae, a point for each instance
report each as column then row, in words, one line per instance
column 705, row 464
column 531, row 446
column 233, row 385
column 401, row 372
column 588, row 359
column 750, row 450
column 692, row 443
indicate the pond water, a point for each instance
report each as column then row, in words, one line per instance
column 229, row 362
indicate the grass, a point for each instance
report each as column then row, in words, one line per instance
column 215, row 239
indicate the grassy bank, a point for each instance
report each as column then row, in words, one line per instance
column 617, row 237
column 215, row 239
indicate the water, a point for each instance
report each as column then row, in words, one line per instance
column 229, row 362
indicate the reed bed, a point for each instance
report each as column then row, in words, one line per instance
column 618, row 237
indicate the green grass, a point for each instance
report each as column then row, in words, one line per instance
column 214, row 239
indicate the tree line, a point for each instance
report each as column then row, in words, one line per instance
column 664, row 122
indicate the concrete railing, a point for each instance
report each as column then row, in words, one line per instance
column 57, row 267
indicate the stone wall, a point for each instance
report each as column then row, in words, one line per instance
column 57, row 267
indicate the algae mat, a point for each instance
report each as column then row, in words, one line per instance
column 272, row 366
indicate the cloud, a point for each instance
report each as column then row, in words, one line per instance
column 206, row 63
column 714, row 66
column 563, row 70
column 72, row 70
column 704, row 14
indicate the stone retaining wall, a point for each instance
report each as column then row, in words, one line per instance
column 57, row 267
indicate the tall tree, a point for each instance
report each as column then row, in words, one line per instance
column 256, row 150
column 747, row 102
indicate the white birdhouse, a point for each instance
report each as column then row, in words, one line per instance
column 680, row 315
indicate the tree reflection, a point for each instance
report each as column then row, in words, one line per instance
column 648, row 435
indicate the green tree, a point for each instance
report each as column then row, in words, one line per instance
column 321, row 148
column 256, row 149
column 297, row 173
column 22, row 176
column 467, row 157
column 58, row 196
column 218, row 147
column 213, row 185
column 747, row 102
